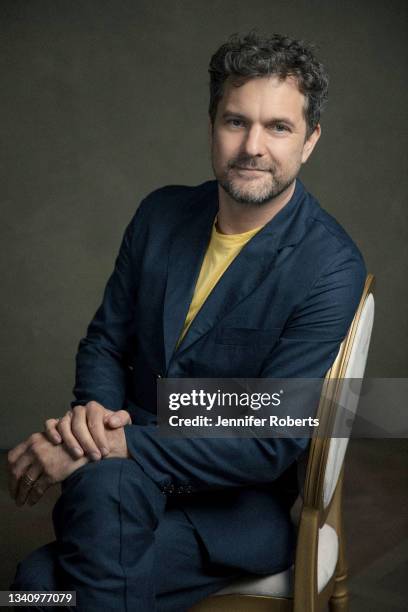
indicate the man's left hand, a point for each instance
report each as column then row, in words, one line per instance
column 37, row 464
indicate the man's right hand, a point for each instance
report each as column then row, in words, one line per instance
column 83, row 429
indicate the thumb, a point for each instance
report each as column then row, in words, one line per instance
column 119, row 419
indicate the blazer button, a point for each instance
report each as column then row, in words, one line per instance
column 159, row 376
column 184, row 489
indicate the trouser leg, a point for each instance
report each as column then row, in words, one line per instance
column 184, row 574
column 119, row 549
column 39, row 572
column 104, row 522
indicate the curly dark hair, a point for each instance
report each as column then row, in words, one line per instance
column 254, row 55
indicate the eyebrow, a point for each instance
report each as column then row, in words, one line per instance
column 230, row 113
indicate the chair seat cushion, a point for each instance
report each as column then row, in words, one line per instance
column 281, row 585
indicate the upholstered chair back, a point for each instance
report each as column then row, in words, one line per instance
column 337, row 408
column 347, row 398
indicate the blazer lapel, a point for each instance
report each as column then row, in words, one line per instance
column 242, row 277
column 244, row 274
column 186, row 254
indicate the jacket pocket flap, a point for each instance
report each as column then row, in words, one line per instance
column 247, row 336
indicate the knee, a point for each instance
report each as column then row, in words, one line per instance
column 103, row 485
column 92, row 488
column 101, row 498
column 95, row 478
column 98, row 478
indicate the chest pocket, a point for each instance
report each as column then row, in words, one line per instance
column 249, row 337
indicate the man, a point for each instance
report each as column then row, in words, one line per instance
column 245, row 276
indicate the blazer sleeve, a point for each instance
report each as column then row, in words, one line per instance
column 100, row 360
column 306, row 349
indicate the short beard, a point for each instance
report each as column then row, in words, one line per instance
column 259, row 198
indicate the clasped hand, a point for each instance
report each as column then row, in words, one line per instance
column 85, row 433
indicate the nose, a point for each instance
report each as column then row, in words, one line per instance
column 254, row 144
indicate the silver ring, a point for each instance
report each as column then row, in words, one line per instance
column 28, row 481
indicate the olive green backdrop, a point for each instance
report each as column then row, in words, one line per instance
column 102, row 102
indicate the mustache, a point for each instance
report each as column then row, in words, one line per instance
column 248, row 162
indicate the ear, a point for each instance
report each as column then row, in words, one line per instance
column 311, row 143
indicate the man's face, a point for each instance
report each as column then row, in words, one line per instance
column 258, row 140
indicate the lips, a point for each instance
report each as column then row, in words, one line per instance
column 251, row 169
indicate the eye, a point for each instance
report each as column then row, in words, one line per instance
column 280, row 127
column 235, row 122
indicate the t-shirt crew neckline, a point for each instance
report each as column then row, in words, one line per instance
column 233, row 238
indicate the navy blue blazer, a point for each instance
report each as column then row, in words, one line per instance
column 280, row 310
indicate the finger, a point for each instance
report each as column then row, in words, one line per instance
column 26, row 482
column 72, row 445
column 79, row 426
column 95, row 422
column 38, row 489
column 17, row 469
column 16, row 452
column 51, row 432
column 119, row 419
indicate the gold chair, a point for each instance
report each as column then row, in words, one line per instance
column 318, row 577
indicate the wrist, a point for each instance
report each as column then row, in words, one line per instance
column 117, row 444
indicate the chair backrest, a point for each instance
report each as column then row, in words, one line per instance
column 337, row 407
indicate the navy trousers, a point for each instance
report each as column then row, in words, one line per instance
column 121, row 547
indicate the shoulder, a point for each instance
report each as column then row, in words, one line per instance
column 331, row 239
column 325, row 257
column 336, row 263
column 175, row 200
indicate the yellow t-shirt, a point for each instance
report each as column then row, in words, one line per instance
column 221, row 251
